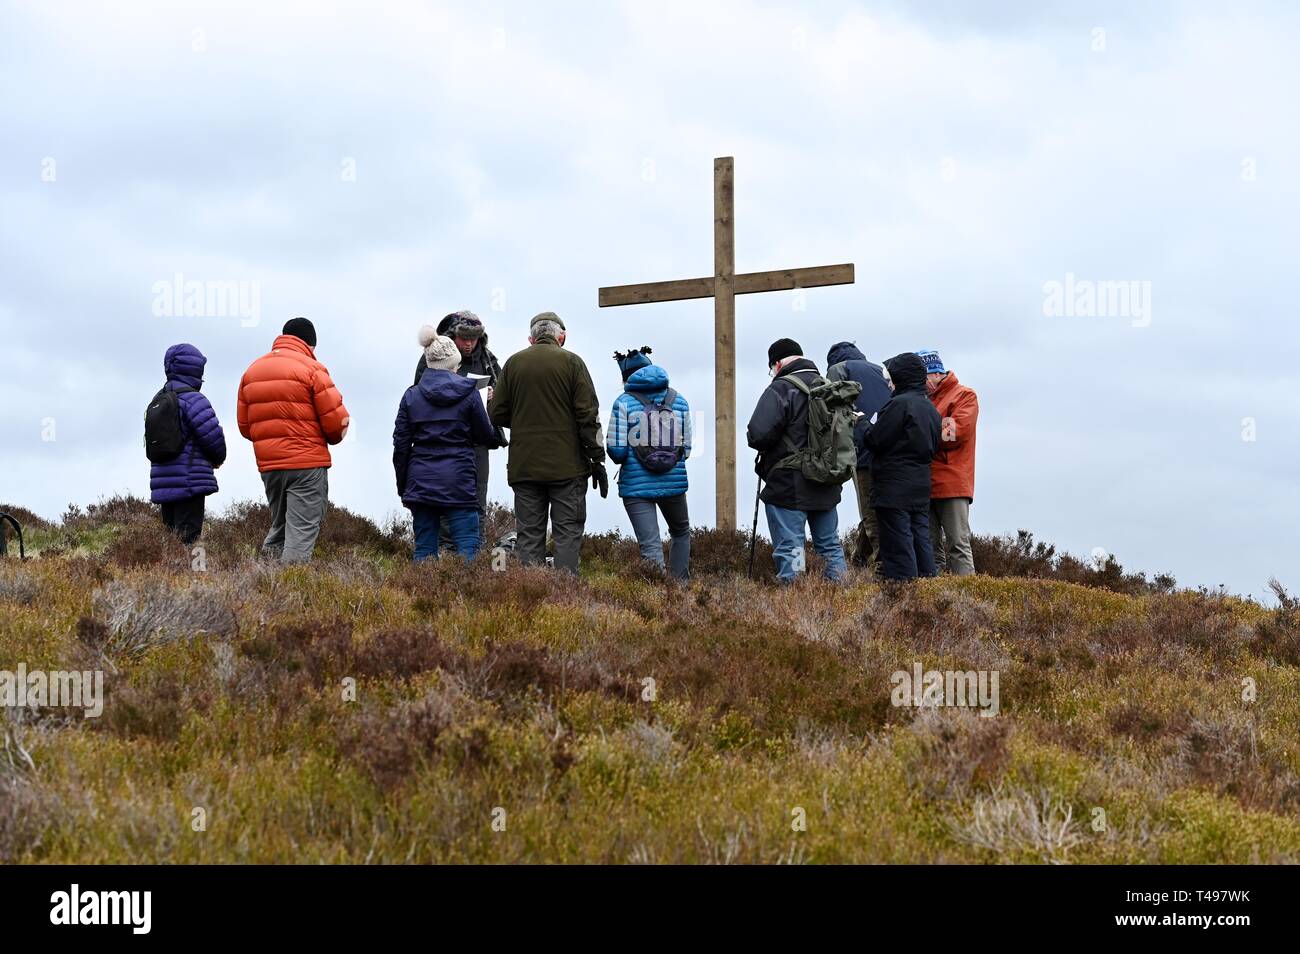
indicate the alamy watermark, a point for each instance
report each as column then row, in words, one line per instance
column 180, row 298
column 1086, row 298
column 55, row 689
column 971, row 689
column 132, row 909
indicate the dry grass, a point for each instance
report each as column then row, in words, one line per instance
column 366, row 709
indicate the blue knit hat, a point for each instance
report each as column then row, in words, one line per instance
column 933, row 363
column 633, row 360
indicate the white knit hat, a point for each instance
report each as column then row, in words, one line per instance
column 439, row 350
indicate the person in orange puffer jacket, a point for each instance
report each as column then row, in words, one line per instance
column 952, row 472
column 291, row 411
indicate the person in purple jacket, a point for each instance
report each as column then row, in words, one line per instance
column 181, row 484
column 439, row 422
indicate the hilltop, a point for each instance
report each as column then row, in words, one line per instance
column 622, row 718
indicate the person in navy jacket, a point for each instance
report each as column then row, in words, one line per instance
column 650, row 481
column 439, row 423
column 182, row 484
column 844, row 362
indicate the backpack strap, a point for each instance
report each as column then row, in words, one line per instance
column 669, row 397
column 799, row 384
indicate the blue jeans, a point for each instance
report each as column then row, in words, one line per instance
column 644, row 514
column 462, row 521
column 786, row 529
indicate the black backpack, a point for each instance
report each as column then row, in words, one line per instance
column 663, row 444
column 163, row 437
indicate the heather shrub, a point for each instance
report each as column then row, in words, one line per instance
column 28, row 813
column 142, row 615
column 238, row 530
column 609, row 551
column 715, row 552
column 1277, row 636
column 953, row 752
column 28, row 519
column 621, row 717
column 343, row 528
column 18, row 586
column 434, row 584
column 1225, row 752
column 1022, row 556
column 153, row 704
column 1017, row 825
column 147, row 544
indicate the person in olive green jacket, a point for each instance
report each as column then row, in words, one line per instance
column 545, row 396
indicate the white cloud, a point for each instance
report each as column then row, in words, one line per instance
column 960, row 156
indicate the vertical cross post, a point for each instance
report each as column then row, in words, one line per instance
column 724, row 285
column 724, row 343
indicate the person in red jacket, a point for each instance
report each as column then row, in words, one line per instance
column 291, row 411
column 952, row 473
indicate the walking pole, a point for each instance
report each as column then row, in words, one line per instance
column 753, row 533
column 4, row 542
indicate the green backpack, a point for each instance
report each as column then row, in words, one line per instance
column 830, row 457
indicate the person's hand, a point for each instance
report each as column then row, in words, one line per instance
column 599, row 478
column 948, row 429
column 489, row 392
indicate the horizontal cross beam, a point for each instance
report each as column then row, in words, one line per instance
column 746, row 284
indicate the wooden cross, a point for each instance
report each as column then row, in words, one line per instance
column 723, row 286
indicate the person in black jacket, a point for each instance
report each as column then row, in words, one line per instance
column 466, row 329
column 902, row 442
column 777, row 428
column 844, row 362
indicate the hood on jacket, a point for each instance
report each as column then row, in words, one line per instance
column 650, row 378
column 184, row 364
column 907, row 371
column 444, row 388
column 844, row 351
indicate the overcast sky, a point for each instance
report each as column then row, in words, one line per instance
column 374, row 166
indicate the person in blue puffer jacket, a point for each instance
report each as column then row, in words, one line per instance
column 181, row 484
column 652, row 455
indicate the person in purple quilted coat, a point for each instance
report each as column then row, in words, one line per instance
column 181, row 484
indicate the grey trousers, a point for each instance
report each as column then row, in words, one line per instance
column 297, row 499
column 644, row 514
column 866, row 552
column 565, row 502
column 950, row 535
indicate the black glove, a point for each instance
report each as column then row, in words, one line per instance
column 599, row 478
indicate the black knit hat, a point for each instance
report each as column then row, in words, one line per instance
column 300, row 328
column 782, row 348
